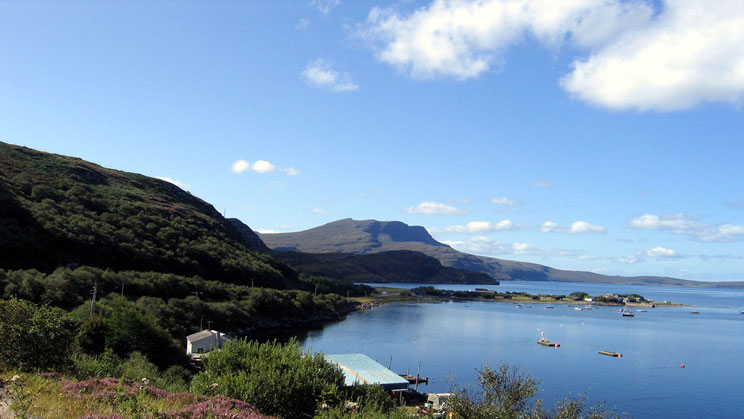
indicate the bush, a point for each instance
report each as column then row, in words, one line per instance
column 277, row 379
column 34, row 337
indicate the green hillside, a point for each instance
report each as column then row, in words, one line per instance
column 63, row 211
column 392, row 266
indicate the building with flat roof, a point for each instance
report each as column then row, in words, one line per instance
column 361, row 369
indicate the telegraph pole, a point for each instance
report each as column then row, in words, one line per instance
column 93, row 300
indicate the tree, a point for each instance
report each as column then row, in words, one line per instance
column 34, row 337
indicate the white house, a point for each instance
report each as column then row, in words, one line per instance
column 205, row 341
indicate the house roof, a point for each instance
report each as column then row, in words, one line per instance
column 199, row 335
column 363, row 369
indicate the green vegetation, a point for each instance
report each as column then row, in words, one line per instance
column 33, row 338
column 505, row 393
column 58, row 211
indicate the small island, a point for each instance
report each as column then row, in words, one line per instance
column 431, row 294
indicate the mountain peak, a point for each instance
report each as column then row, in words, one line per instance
column 349, row 235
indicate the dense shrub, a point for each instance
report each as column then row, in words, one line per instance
column 277, row 379
column 34, row 337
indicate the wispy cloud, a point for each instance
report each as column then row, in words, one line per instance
column 686, row 53
column 578, row 227
column 291, row 171
column 319, row 211
column 434, row 208
column 325, row 6
column 173, row 181
column 477, row 227
column 320, row 74
column 503, row 201
column 540, row 184
column 689, row 225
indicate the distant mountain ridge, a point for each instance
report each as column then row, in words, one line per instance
column 372, row 236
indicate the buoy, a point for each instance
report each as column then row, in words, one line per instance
column 682, row 366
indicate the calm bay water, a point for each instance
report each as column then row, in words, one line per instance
column 453, row 340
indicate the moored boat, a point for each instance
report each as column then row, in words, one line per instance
column 608, row 353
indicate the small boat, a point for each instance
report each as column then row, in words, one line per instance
column 608, row 353
column 578, row 308
column 519, row 305
column 694, row 312
column 626, row 313
column 640, row 310
column 547, row 307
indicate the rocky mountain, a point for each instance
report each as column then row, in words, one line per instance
column 371, row 236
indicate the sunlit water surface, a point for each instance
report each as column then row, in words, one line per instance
column 453, row 340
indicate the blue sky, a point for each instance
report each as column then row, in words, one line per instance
column 597, row 135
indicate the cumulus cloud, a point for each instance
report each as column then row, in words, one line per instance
column 481, row 245
column 240, row 166
column 578, row 227
column 660, row 252
column 691, row 53
column 477, row 227
column 463, row 39
column 319, row 211
column 173, row 181
column 582, row 227
column 267, row 231
column 320, row 74
column 685, row 53
column 503, row 201
column 434, row 208
column 549, row 227
column 261, row 166
column 688, row 225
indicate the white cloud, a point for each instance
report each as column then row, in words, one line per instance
column 463, row 39
column 319, row 211
column 434, row 208
column 660, row 252
column 320, row 74
column 267, row 231
column 173, row 181
column 503, row 201
column 578, row 227
column 582, row 227
column 262, row 166
column 549, row 227
column 687, row 225
column 481, row 245
column 476, row 227
column 540, row 184
column 240, row 166
column 690, row 53
column 325, row 6
column 685, row 53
